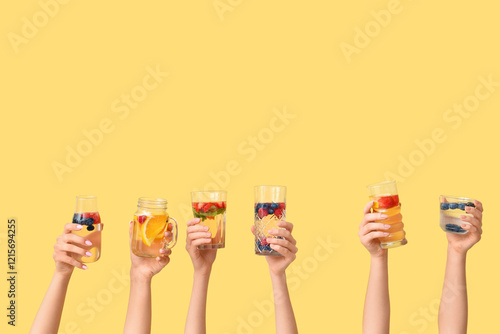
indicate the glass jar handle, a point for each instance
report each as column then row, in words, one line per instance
column 174, row 240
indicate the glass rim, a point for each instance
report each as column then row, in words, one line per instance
column 380, row 184
column 86, row 197
column 208, row 192
column 270, row 186
column 152, row 199
column 458, row 197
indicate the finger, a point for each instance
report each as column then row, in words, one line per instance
column 283, row 243
column 165, row 252
column 478, row 205
column 475, row 212
column 368, row 207
column 283, row 251
column 283, row 233
column 199, row 242
column 198, row 235
column 68, row 228
column 130, row 226
column 373, row 235
column 371, row 217
column 193, row 221
column 252, row 228
column 197, row 228
column 71, row 261
column 69, row 248
column 471, row 219
column 163, row 260
column 370, row 227
column 288, row 226
column 74, row 239
column 469, row 227
column 170, row 227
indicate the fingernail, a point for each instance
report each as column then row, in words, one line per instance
column 84, row 267
column 79, row 227
column 162, row 251
column 88, row 243
column 383, row 216
column 208, row 234
column 88, row 254
column 386, row 233
column 273, row 231
column 387, row 226
column 205, row 228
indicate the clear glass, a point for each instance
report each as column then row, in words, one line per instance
column 269, row 209
column 210, row 207
column 450, row 210
column 86, row 214
column 151, row 221
column 386, row 200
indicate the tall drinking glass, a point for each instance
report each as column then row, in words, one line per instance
column 210, row 207
column 86, row 214
column 269, row 209
column 386, row 200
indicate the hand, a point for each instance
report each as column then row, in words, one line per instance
column 285, row 246
column 146, row 268
column 370, row 231
column 198, row 235
column 461, row 243
column 68, row 248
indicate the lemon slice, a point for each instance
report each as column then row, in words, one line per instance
column 151, row 229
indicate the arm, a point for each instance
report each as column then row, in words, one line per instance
column 453, row 311
column 376, row 313
column 202, row 263
column 49, row 314
column 286, row 246
column 142, row 270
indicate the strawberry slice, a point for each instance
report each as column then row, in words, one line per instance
column 387, row 202
column 282, row 206
column 142, row 219
column 207, row 206
column 278, row 212
column 262, row 213
column 199, row 206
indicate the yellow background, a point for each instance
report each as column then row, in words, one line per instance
column 227, row 77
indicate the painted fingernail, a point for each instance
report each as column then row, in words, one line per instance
column 84, row 267
column 162, row 251
column 79, row 227
column 383, row 216
column 205, row 228
column 208, row 234
column 88, row 254
column 386, row 233
column 88, row 243
column 387, row 226
column 273, row 231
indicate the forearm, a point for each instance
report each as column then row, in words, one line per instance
column 285, row 319
column 376, row 314
column 453, row 307
column 196, row 317
column 49, row 314
column 138, row 319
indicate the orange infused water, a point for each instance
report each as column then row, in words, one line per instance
column 148, row 234
column 389, row 205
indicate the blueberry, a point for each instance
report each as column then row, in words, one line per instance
column 275, row 205
column 266, row 206
column 270, row 211
column 470, row 204
column 267, row 248
column 461, row 206
column 453, row 206
column 445, row 206
column 90, row 228
column 88, row 221
column 259, row 205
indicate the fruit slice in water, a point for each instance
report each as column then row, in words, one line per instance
column 151, row 229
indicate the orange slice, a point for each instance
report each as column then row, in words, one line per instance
column 151, row 229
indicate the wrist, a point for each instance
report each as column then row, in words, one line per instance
column 137, row 276
column 456, row 254
column 63, row 275
column 203, row 273
column 379, row 256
